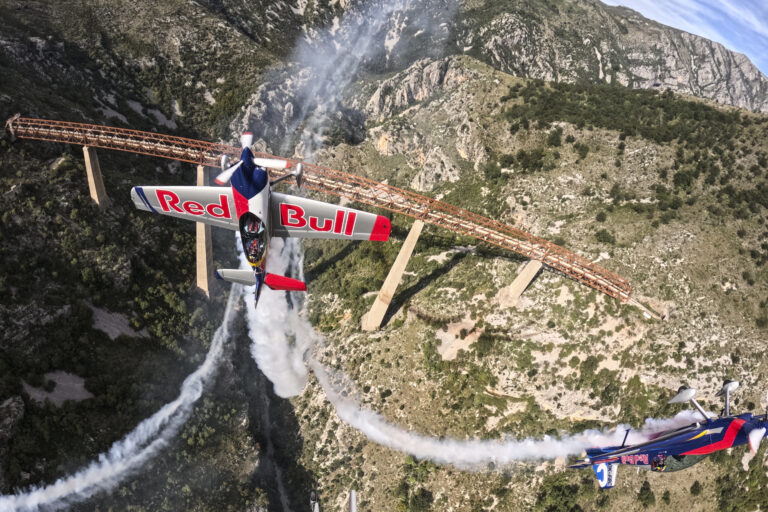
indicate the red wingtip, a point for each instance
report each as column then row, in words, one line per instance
column 276, row 282
column 381, row 229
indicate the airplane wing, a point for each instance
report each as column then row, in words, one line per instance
column 299, row 217
column 211, row 205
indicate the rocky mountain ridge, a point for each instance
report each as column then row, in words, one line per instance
column 586, row 40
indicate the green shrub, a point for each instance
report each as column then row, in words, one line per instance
column 554, row 139
column 646, row 496
column 696, row 488
column 604, row 236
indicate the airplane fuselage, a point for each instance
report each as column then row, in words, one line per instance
column 250, row 191
column 685, row 449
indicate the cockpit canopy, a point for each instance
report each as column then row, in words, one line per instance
column 254, row 235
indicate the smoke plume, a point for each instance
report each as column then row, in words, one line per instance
column 279, row 337
column 371, row 36
column 477, row 454
column 128, row 455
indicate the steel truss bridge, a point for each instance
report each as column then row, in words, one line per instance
column 342, row 184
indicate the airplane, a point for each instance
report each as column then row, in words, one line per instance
column 680, row 448
column 252, row 207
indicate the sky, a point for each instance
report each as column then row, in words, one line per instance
column 740, row 25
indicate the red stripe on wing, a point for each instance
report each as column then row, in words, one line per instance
column 276, row 282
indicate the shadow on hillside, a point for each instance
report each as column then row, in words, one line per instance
column 403, row 296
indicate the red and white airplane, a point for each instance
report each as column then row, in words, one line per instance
column 259, row 213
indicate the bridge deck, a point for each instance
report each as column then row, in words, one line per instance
column 337, row 183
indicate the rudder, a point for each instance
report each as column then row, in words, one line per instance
column 606, row 474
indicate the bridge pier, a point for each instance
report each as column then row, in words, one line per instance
column 95, row 181
column 524, row 278
column 371, row 321
column 204, row 247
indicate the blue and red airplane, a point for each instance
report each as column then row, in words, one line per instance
column 250, row 206
column 680, row 448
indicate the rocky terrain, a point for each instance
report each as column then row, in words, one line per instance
column 588, row 40
column 564, row 357
column 518, row 111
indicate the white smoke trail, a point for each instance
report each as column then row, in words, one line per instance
column 279, row 340
column 477, row 454
column 129, row 454
column 332, row 61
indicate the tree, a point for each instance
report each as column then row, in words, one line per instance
column 554, row 138
column 582, row 150
column 696, row 488
column 646, row 496
column 421, row 501
column 605, row 236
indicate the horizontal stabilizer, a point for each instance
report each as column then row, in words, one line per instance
column 284, row 283
column 239, row 276
column 248, row 278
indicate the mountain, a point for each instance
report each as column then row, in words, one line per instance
column 586, row 40
column 498, row 107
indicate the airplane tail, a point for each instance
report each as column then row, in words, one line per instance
column 248, row 278
column 605, row 471
column 606, row 474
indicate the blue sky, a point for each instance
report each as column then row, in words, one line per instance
column 740, row 25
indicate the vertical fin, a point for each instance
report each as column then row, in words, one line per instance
column 606, row 474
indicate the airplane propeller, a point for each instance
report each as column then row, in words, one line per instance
column 246, row 140
column 224, row 177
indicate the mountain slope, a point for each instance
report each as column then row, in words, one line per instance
column 586, row 40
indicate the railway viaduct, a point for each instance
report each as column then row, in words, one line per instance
column 424, row 209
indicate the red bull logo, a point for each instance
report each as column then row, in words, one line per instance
column 294, row 216
column 635, row 459
column 169, row 202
